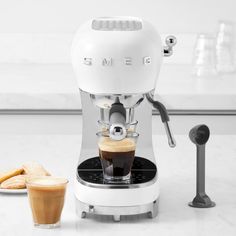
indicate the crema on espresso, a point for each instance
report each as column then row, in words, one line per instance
column 116, row 156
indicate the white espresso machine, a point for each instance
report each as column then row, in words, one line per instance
column 117, row 61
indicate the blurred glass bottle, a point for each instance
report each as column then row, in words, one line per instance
column 225, row 47
column 204, row 57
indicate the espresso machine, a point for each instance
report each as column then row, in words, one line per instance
column 116, row 61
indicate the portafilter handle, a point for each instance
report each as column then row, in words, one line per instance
column 164, row 118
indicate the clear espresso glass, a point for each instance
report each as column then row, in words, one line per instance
column 117, row 156
column 46, row 197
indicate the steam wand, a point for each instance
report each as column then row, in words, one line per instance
column 164, row 118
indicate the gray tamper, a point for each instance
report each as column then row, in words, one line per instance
column 199, row 135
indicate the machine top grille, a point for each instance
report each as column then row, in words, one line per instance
column 116, row 24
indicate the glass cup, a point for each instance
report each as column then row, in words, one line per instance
column 204, row 57
column 117, row 156
column 46, row 197
column 225, row 47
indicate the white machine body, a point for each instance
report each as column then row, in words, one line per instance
column 117, row 197
column 103, row 200
column 117, row 55
column 117, row 61
column 117, row 202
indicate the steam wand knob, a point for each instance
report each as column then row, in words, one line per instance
column 170, row 43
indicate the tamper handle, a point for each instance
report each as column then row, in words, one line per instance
column 199, row 135
column 164, row 118
column 201, row 169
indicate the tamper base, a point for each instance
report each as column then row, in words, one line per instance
column 202, row 202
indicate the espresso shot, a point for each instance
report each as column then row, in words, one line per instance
column 117, row 158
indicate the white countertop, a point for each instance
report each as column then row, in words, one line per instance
column 38, row 86
column 59, row 153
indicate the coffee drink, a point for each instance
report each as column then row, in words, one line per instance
column 46, row 196
column 116, row 157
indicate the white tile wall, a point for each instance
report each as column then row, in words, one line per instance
column 40, row 31
column 54, row 48
column 46, row 48
column 35, row 33
column 63, row 16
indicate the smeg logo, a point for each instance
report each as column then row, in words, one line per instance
column 128, row 61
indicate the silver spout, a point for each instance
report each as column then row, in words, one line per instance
column 117, row 121
column 117, row 131
column 170, row 137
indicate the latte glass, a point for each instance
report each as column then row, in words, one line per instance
column 46, row 197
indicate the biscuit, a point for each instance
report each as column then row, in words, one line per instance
column 8, row 174
column 15, row 182
column 33, row 168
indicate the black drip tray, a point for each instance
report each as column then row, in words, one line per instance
column 142, row 171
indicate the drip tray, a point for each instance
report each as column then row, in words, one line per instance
column 90, row 173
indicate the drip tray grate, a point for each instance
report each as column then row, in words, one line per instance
column 90, row 171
